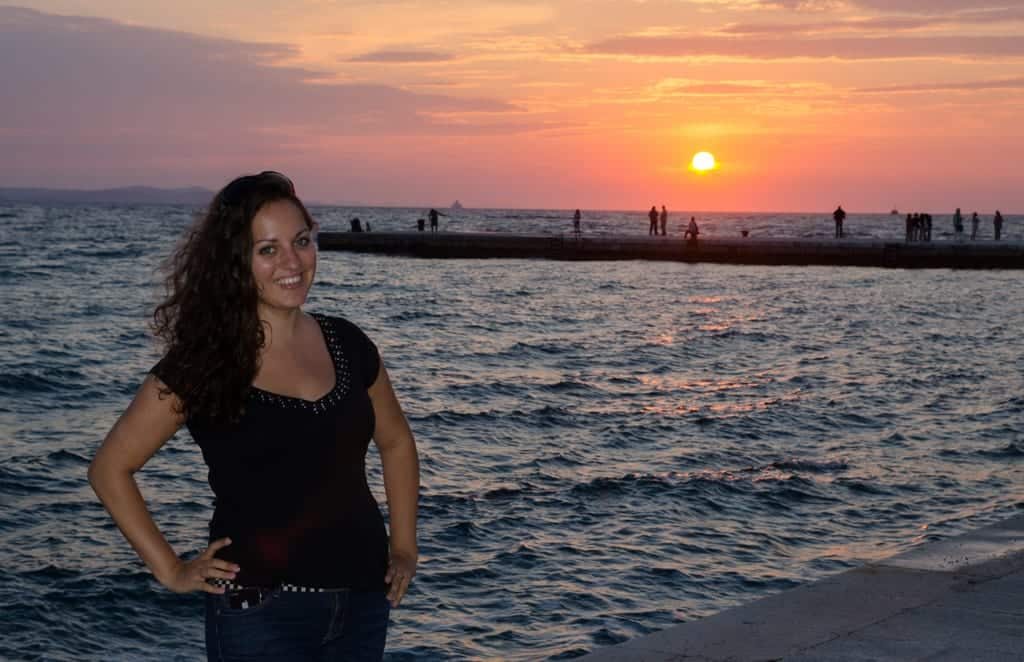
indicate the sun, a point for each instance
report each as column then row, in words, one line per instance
column 703, row 161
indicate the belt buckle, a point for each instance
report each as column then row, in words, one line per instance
column 246, row 598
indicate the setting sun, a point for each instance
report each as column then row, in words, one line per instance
column 703, row 161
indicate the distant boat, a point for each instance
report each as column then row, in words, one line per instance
column 456, row 205
column 895, row 212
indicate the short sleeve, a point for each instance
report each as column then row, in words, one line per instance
column 362, row 351
column 371, row 360
column 162, row 372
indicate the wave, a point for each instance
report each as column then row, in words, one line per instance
column 18, row 384
column 821, row 466
column 1014, row 450
column 863, row 486
column 63, row 457
column 544, row 416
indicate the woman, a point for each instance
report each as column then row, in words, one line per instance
column 283, row 405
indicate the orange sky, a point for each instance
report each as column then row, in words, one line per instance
column 584, row 103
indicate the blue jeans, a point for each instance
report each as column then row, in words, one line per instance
column 286, row 626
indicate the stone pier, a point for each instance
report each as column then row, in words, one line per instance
column 837, row 252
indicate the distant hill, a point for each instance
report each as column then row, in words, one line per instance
column 119, row 196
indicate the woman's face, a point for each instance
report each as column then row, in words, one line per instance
column 283, row 255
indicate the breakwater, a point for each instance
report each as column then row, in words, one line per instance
column 776, row 251
column 955, row 599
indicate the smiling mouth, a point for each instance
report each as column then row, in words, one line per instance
column 289, row 282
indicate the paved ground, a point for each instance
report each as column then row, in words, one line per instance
column 734, row 250
column 958, row 600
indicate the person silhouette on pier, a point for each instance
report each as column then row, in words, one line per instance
column 664, row 221
column 356, row 224
column 839, row 215
column 692, row 230
column 432, row 215
column 653, row 215
column 975, row 222
column 997, row 225
column 576, row 220
column 958, row 224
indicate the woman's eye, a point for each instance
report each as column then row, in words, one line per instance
column 302, row 241
column 267, row 250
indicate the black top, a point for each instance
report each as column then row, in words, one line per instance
column 290, row 479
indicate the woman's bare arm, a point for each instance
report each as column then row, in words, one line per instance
column 401, row 482
column 139, row 433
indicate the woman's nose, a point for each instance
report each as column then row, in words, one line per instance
column 289, row 256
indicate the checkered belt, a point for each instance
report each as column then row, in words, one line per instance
column 289, row 588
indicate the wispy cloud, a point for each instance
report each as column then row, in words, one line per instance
column 92, row 102
column 967, row 86
column 893, row 6
column 844, row 48
column 682, row 87
column 933, row 6
column 67, row 75
column 883, row 23
column 402, row 57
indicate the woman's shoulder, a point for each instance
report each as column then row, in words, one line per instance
column 339, row 325
column 344, row 337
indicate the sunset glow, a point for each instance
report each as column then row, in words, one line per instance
column 570, row 103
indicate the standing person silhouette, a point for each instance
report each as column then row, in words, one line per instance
column 839, row 215
column 975, row 222
column 576, row 219
column 664, row 221
column 997, row 225
column 653, row 216
column 283, row 405
column 958, row 224
column 432, row 215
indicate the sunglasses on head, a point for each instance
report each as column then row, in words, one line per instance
column 233, row 191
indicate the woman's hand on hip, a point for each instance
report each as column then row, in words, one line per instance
column 189, row 576
column 401, row 569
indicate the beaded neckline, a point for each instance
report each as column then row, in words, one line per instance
column 342, row 377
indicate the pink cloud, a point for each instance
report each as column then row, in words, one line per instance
column 884, row 23
column 845, row 48
column 927, row 7
column 969, row 86
column 867, row 25
column 931, row 6
column 402, row 57
column 81, row 73
column 84, row 95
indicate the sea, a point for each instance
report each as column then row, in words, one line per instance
column 608, row 448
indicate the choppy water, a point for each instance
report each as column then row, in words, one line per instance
column 607, row 448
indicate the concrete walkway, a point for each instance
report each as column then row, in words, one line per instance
column 958, row 600
column 833, row 252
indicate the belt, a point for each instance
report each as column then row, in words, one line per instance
column 289, row 588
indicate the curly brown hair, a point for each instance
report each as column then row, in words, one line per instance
column 208, row 320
